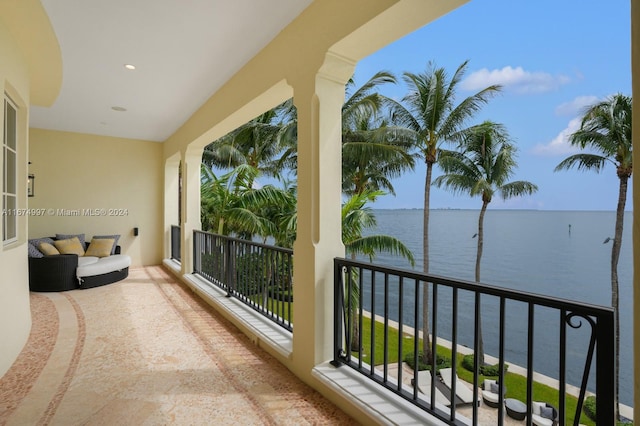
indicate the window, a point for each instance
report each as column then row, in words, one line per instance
column 9, row 172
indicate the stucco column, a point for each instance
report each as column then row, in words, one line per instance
column 191, row 160
column 318, row 99
column 635, row 80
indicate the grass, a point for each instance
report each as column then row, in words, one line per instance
column 278, row 307
column 515, row 383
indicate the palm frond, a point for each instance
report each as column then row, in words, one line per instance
column 583, row 162
column 370, row 245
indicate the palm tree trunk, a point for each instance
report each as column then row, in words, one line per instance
column 615, row 256
column 483, row 210
column 425, row 224
column 427, row 356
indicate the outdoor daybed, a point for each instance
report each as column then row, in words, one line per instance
column 491, row 393
column 543, row 414
column 66, row 262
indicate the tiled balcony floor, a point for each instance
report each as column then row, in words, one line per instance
column 147, row 351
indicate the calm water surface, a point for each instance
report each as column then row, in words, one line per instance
column 554, row 253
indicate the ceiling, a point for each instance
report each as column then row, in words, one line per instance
column 183, row 51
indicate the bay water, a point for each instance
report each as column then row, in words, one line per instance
column 561, row 254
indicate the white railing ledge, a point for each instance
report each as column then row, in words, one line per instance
column 172, row 264
column 381, row 405
column 260, row 329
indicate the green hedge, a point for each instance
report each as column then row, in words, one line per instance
column 441, row 362
column 485, row 370
column 589, row 407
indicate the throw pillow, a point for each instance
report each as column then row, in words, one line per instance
column 48, row 249
column 488, row 384
column 546, row 412
column 495, row 388
column 536, row 407
column 100, row 247
column 69, row 236
column 115, row 240
column 36, row 241
column 70, row 246
column 33, row 251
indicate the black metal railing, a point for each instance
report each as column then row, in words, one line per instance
column 378, row 307
column 175, row 242
column 259, row 275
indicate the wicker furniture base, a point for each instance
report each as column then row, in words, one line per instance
column 98, row 280
column 53, row 273
column 515, row 409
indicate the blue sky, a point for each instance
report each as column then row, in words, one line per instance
column 552, row 58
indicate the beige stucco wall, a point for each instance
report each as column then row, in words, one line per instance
column 15, row 316
column 99, row 185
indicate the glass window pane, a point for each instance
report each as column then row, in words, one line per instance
column 10, row 124
column 11, row 227
column 11, row 172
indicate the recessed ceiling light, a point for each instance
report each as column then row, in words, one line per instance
column 118, row 108
column 130, row 67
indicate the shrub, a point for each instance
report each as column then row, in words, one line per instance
column 589, row 407
column 485, row 370
column 441, row 362
column 467, row 362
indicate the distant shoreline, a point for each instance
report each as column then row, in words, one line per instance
column 502, row 210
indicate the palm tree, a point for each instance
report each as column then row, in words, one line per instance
column 372, row 155
column 482, row 168
column 256, row 143
column 433, row 116
column 284, row 216
column 356, row 217
column 232, row 206
column 373, row 150
column 605, row 131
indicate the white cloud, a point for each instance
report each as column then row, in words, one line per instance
column 515, row 79
column 574, row 107
column 560, row 144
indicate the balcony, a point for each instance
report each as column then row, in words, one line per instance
column 385, row 306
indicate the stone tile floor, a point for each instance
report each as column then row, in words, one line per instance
column 146, row 351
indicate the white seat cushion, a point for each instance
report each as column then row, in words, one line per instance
column 541, row 421
column 104, row 265
column 490, row 396
column 87, row 260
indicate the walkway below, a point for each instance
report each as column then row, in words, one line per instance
column 147, row 351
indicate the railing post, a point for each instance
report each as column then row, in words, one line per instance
column 196, row 255
column 175, row 243
column 338, row 302
column 230, row 270
column 605, row 367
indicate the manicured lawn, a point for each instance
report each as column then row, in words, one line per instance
column 278, row 307
column 516, row 384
